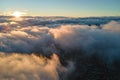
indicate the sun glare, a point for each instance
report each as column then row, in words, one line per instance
column 17, row 14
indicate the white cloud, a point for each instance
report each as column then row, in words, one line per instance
column 30, row 67
column 112, row 26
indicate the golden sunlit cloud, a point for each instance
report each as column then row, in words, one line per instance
column 18, row 14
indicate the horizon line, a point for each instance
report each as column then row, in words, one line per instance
column 61, row 16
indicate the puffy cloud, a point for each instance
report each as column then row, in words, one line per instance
column 112, row 26
column 30, row 67
column 97, row 41
column 43, row 40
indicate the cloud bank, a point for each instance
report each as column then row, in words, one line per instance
column 68, row 50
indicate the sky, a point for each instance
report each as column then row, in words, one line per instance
column 73, row 8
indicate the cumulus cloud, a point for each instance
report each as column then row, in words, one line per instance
column 112, row 26
column 43, row 39
column 69, row 37
column 30, row 67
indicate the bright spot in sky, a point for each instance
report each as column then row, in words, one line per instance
column 17, row 14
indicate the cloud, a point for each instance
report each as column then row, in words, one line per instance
column 43, row 39
column 92, row 41
column 68, row 37
column 83, row 45
column 30, row 67
column 112, row 26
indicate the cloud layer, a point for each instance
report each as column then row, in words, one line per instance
column 68, row 49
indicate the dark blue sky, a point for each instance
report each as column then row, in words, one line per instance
column 81, row 8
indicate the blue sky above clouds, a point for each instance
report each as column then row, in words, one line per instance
column 81, row 8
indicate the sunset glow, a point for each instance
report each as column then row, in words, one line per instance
column 17, row 14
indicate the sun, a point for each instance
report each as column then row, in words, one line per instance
column 17, row 14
